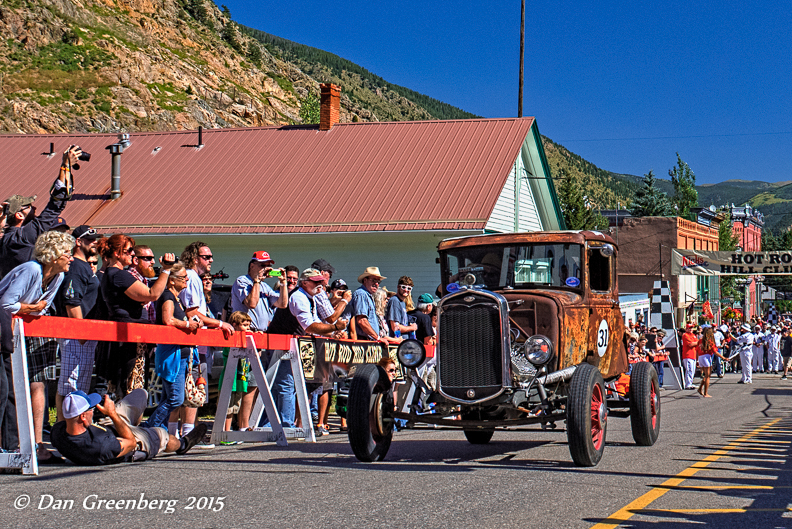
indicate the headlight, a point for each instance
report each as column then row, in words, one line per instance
column 538, row 350
column 411, row 353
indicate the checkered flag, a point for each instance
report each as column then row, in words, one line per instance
column 772, row 315
column 662, row 311
column 662, row 317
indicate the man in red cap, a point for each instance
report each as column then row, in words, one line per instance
column 251, row 295
column 690, row 343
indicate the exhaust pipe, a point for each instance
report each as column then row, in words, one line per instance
column 558, row 376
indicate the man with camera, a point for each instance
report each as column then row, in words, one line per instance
column 22, row 228
column 251, row 295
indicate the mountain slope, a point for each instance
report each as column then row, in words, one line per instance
column 128, row 65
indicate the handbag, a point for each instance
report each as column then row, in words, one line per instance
column 194, row 397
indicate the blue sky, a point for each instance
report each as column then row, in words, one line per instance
column 623, row 84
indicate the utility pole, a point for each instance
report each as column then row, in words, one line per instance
column 522, row 60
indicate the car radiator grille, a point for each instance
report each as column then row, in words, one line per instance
column 469, row 353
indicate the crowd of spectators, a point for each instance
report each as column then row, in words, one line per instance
column 44, row 270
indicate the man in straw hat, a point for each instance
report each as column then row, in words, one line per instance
column 366, row 321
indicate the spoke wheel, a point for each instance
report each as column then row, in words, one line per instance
column 644, row 404
column 587, row 416
column 369, row 413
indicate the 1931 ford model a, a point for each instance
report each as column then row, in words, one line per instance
column 530, row 333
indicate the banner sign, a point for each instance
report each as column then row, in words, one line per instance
column 702, row 263
column 319, row 355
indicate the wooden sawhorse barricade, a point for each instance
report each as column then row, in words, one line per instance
column 284, row 349
column 107, row 331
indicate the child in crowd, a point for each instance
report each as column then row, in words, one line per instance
column 243, row 393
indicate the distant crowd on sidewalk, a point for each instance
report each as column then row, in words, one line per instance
column 736, row 347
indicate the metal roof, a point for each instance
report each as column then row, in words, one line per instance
column 295, row 179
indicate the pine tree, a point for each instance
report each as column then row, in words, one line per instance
column 197, row 10
column 309, row 109
column 231, row 37
column 576, row 215
column 254, row 53
column 685, row 194
column 651, row 201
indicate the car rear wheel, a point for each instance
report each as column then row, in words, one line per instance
column 644, row 404
column 587, row 416
column 479, row 437
column 369, row 410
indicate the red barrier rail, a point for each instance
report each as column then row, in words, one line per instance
column 113, row 331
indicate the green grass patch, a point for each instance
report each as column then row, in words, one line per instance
column 44, row 80
column 766, row 199
column 285, row 84
column 167, row 96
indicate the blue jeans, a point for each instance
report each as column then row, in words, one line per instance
column 717, row 364
column 283, row 395
column 172, row 398
column 659, row 368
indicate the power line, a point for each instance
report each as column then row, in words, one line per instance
column 680, row 137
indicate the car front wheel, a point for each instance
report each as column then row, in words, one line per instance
column 369, row 410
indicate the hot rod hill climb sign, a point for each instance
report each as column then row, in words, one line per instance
column 697, row 262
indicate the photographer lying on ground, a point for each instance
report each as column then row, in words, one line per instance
column 117, row 438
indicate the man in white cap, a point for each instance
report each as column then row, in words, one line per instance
column 758, row 350
column 117, row 438
column 774, row 349
column 745, row 342
column 366, row 320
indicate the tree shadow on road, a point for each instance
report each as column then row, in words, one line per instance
column 748, row 486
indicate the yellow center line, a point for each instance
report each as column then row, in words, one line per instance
column 706, row 511
column 721, row 487
column 627, row 512
column 768, row 441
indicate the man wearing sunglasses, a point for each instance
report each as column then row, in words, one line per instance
column 143, row 270
column 197, row 258
column 76, row 299
column 396, row 311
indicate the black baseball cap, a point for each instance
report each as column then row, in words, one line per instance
column 85, row 232
column 339, row 284
column 323, row 266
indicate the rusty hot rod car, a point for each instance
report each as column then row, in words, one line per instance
column 530, row 332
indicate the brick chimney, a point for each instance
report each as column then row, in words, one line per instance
column 330, row 105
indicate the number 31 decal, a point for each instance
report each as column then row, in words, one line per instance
column 603, row 335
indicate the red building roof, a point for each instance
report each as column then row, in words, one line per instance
column 355, row 177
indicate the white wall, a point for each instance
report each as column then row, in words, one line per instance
column 397, row 254
column 503, row 214
column 502, row 218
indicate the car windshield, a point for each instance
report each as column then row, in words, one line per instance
column 523, row 266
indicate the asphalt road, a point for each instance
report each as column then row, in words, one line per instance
column 721, row 462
